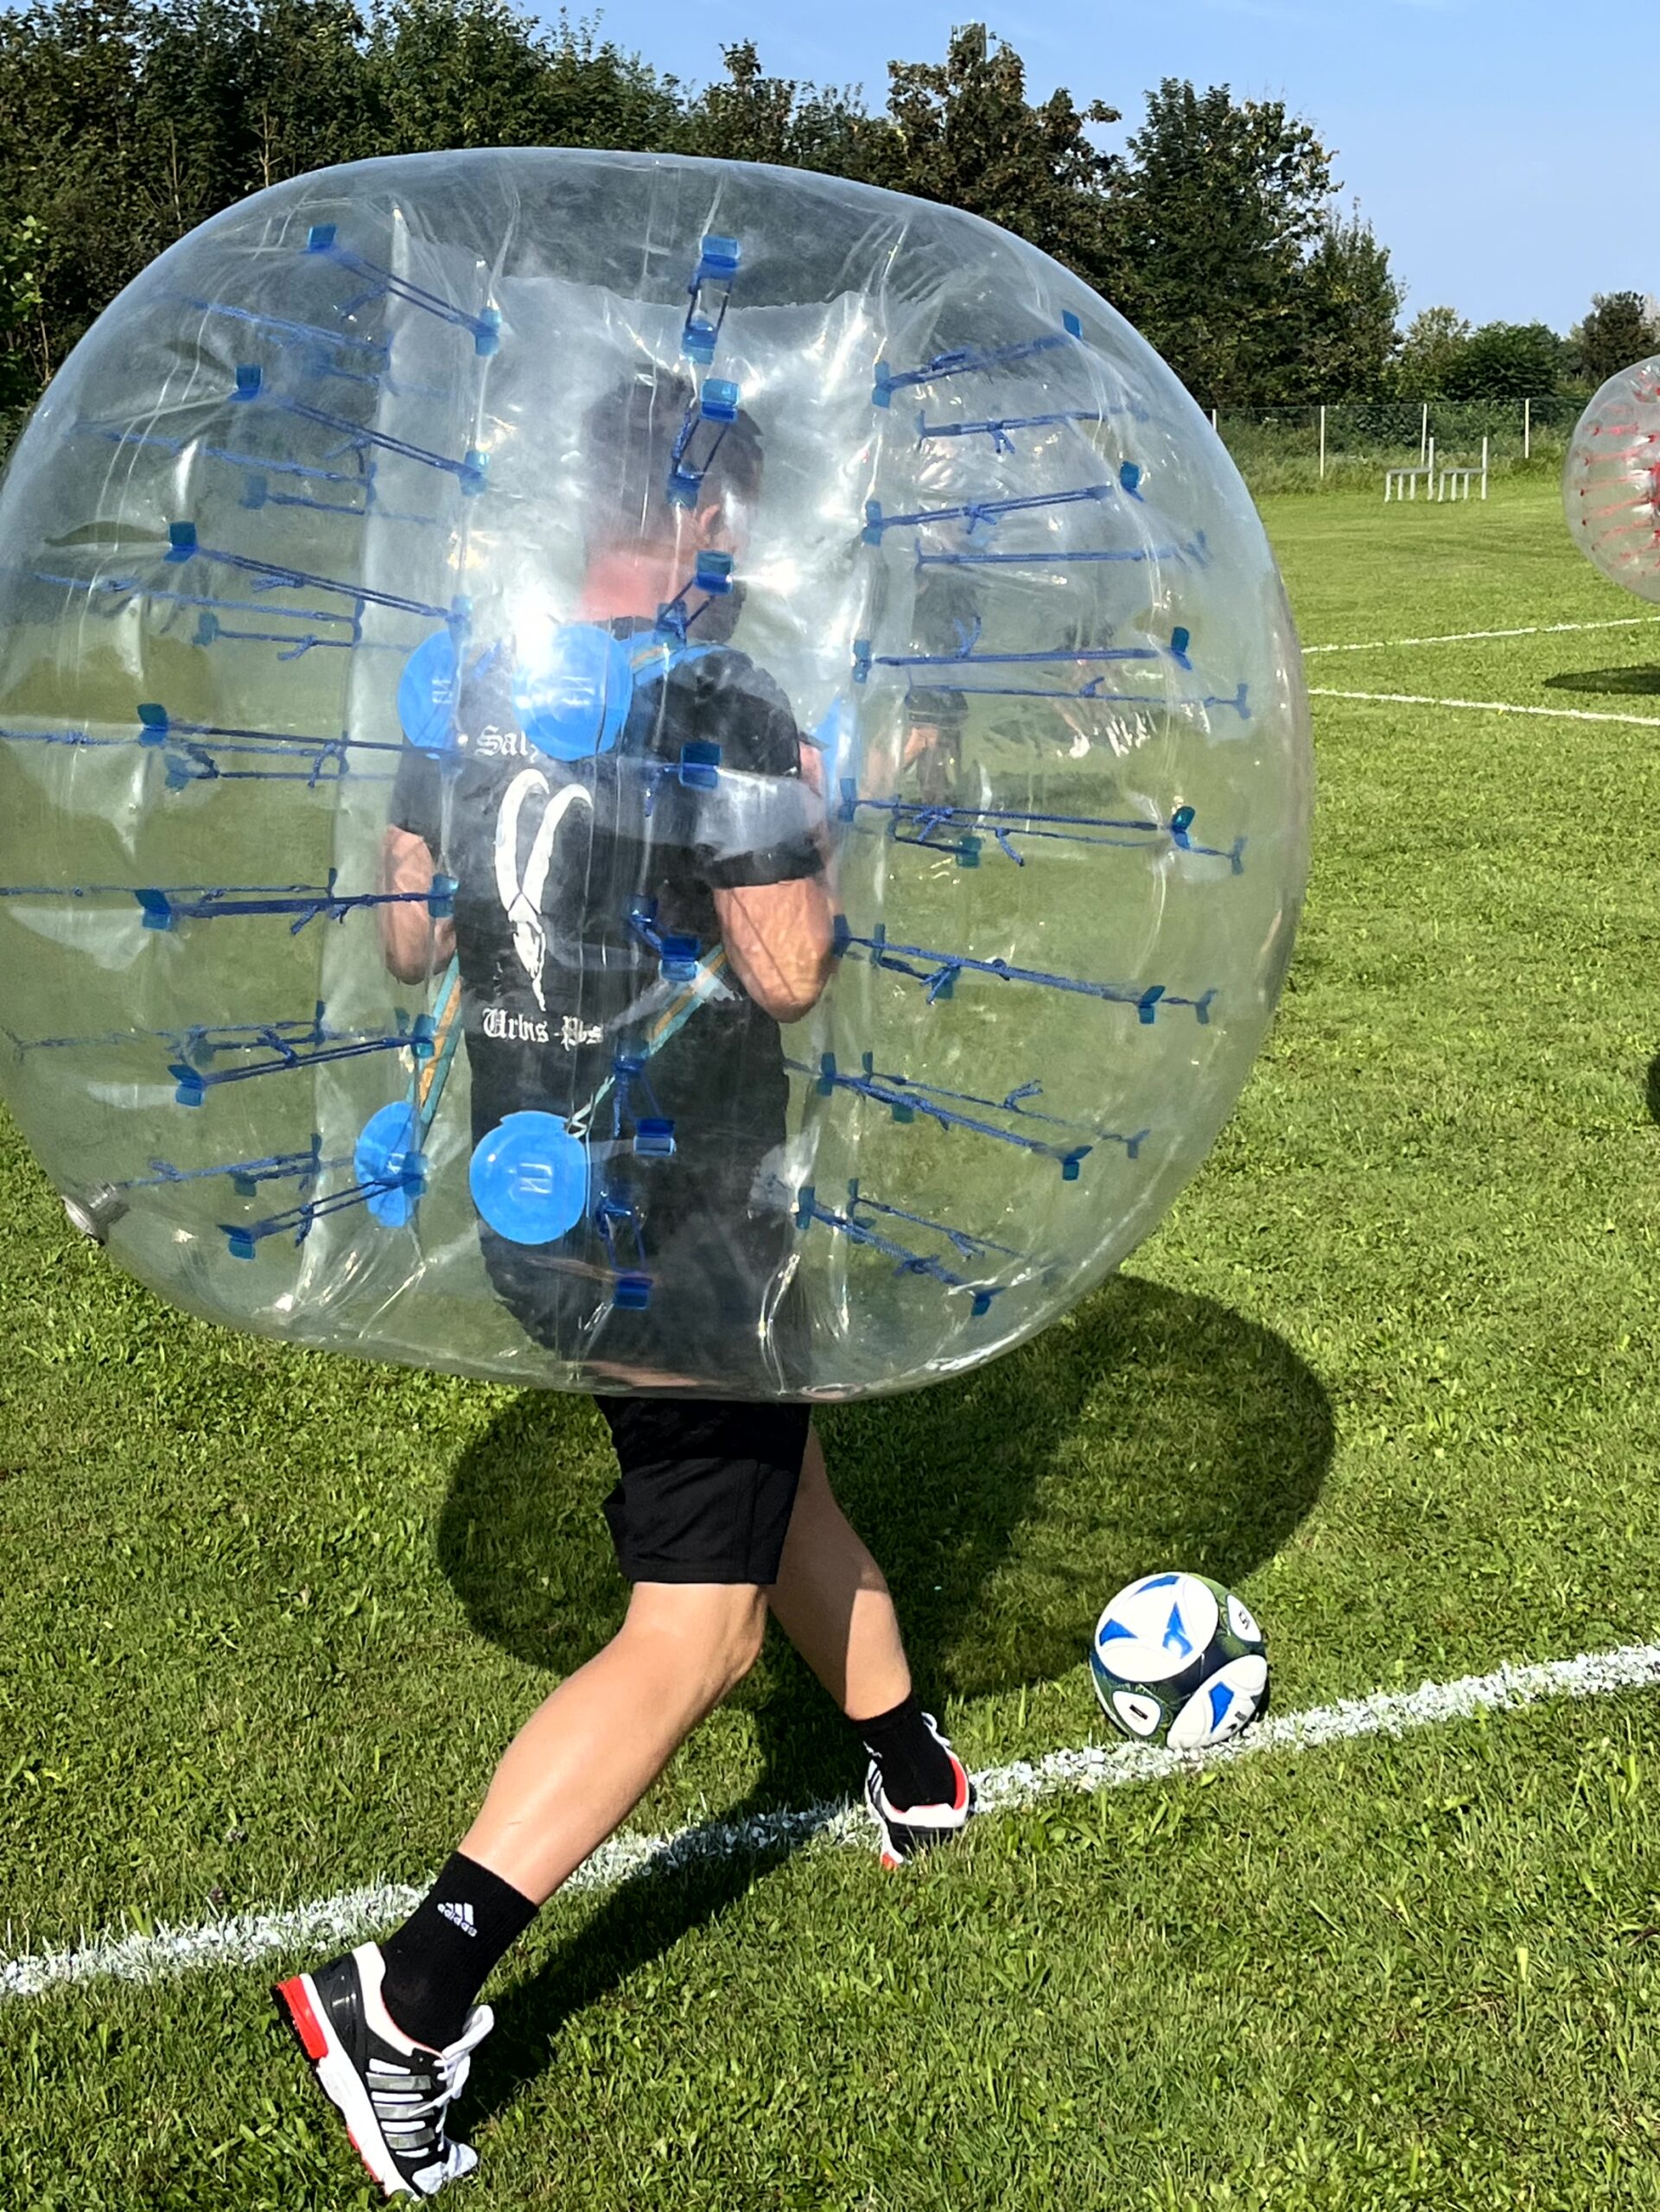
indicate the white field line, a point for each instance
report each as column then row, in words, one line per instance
column 245, row 1939
column 1488, row 706
column 1471, row 637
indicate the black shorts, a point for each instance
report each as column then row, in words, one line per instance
column 707, row 1488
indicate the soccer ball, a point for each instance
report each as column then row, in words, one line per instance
column 1178, row 1660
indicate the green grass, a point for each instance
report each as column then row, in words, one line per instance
column 266, row 1618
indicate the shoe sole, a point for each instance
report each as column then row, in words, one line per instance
column 303, row 2013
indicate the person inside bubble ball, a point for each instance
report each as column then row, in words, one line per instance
column 723, row 1513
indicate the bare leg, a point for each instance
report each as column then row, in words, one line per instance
column 832, row 1602
column 588, row 1754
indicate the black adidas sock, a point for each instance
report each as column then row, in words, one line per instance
column 439, row 1959
column 914, row 1765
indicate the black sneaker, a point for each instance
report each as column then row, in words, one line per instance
column 392, row 2093
column 905, row 1831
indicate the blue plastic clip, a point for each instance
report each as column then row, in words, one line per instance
column 713, row 577
column 713, row 410
column 718, row 264
column 700, row 764
column 677, row 952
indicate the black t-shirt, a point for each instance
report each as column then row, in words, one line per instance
column 575, row 878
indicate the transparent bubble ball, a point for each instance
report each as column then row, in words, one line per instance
column 1611, row 480
column 633, row 773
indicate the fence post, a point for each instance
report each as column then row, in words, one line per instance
column 1322, row 445
column 1214, row 425
column 1527, row 429
column 1423, row 438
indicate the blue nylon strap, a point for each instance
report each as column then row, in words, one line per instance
column 938, row 972
column 987, row 513
column 968, row 1246
column 969, row 655
column 194, row 1083
column 1013, row 1101
column 470, row 469
column 184, row 545
column 299, row 1220
column 265, row 461
column 1194, row 551
column 997, row 428
column 202, row 1042
column 908, row 1263
column 969, row 360
column 128, row 587
column 905, row 1105
column 915, row 822
column 309, row 334
column 245, row 1175
column 322, row 238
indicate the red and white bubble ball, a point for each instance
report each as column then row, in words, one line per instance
column 1611, row 483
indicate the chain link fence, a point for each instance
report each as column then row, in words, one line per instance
column 1348, row 448
column 1345, row 448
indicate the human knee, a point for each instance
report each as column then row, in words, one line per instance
column 715, row 1629
column 744, row 1632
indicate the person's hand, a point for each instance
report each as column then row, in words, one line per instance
column 932, row 751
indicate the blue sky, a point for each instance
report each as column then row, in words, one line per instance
column 1504, row 164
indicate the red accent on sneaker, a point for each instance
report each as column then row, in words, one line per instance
column 960, row 1797
column 307, row 2025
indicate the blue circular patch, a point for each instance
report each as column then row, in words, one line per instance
column 572, row 690
column 390, row 1148
column 529, row 1178
column 427, row 693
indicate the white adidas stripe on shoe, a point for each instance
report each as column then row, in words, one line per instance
column 392, row 2093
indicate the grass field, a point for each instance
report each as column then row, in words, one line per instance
column 266, row 1618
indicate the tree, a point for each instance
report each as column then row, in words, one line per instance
column 477, row 73
column 963, row 132
column 21, row 243
column 125, row 123
column 1350, row 300
column 1219, row 208
column 1507, row 361
column 1435, row 343
column 1622, row 328
column 748, row 116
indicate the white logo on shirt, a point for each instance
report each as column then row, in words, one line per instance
column 512, row 1028
column 521, row 898
column 508, row 744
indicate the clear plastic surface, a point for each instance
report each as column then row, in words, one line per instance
column 624, row 772
column 1611, row 480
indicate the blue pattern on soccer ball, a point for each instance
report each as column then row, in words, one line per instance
column 1180, row 1672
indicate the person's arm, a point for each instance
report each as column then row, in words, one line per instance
column 778, row 938
column 778, row 935
column 411, row 943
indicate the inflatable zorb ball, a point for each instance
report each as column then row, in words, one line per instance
column 628, row 773
column 1611, row 481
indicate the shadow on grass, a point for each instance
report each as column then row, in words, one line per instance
column 1652, row 1089
column 1625, row 683
column 1148, row 1429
